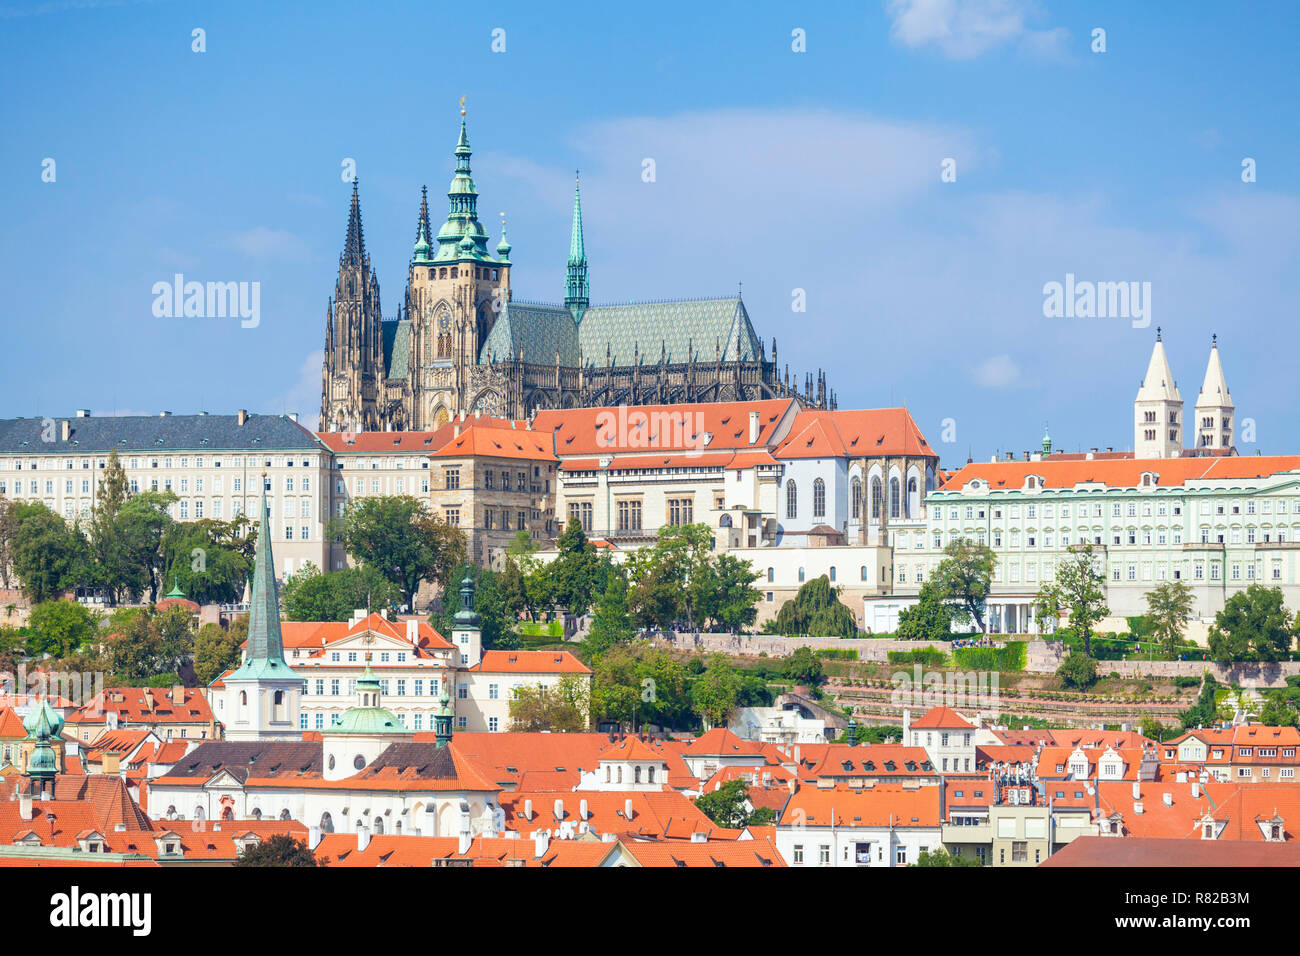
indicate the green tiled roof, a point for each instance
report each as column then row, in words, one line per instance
column 532, row 333
column 397, row 348
column 536, row 331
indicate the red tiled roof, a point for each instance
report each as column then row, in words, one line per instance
column 484, row 442
column 664, row 428
column 854, row 433
column 942, row 717
column 1122, row 473
column 530, row 662
column 882, row 805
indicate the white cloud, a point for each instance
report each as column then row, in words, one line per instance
column 998, row 371
column 964, row 29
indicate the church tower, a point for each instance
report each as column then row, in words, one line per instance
column 1214, row 407
column 354, row 358
column 263, row 695
column 576, row 294
column 1157, row 411
column 455, row 291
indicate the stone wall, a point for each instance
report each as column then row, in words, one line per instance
column 772, row 646
column 1044, row 657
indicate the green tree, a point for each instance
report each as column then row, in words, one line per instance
column 816, row 610
column 929, row 619
column 570, row 581
column 728, row 805
column 1254, row 625
column 210, row 559
column 611, row 623
column 8, row 537
column 280, row 850
column 1169, row 606
column 46, row 551
column 403, row 541
column 803, row 666
column 216, row 650
column 315, row 595
column 1080, row 589
column 1078, row 671
column 715, row 692
column 964, row 578
column 561, row 708
column 723, row 593
column 60, row 627
column 941, row 857
column 1153, row 729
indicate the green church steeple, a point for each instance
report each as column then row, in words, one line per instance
column 423, row 229
column 43, row 724
column 576, row 295
column 462, row 210
column 264, row 652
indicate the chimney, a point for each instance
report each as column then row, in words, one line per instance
column 455, row 430
column 1137, row 790
column 111, row 764
column 293, row 416
column 582, row 809
column 25, row 806
column 1169, row 799
column 627, row 809
column 1196, row 791
column 164, row 414
column 413, row 631
column 528, row 810
column 753, row 427
column 363, row 838
column 559, row 809
column 241, row 417
column 313, row 837
column 465, row 842
column 83, row 412
column 541, row 840
column 178, row 694
column 65, row 430
column 1137, row 808
column 358, row 614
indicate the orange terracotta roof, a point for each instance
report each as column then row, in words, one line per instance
column 1142, row 852
column 737, row 853
column 854, row 433
column 942, row 718
column 405, row 442
column 666, row 428
column 318, row 635
column 483, row 442
column 883, row 805
column 530, row 662
column 385, row 849
column 145, row 705
column 1122, row 473
column 656, row 814
column 11, row 725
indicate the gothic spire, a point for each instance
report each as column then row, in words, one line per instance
column 576, row 297
column 355, row 246
column 264, row 653
column 422, row 230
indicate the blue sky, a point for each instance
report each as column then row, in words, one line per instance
column 816, row 170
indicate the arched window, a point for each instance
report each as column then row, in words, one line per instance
column 864, row 572
column 620, row 774
column 724, row 521
column 819, row 499
column 278, row 706
column 284, row 814
column 636, row 775
column 326, row 822
column 894, row 496
column 791, row 499
column 257, row 813
column 801, row 574
column 228, row 813
column 832, row 575
column 875, row 499
column 650, row 773
column 379, row 824
column 856, row 497
column 199, row 814
column 913, row 502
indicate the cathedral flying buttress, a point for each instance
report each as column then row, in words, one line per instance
column 461, row 343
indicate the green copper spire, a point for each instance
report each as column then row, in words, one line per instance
column 264, row 652
column 462, row 210
column 368, row 716
column 503, row 247
column 1047, row 441
column 442, row 720
column 43, row 725
column 575, row 287
column 466, row 618
column 176, row 591
column 423, row 230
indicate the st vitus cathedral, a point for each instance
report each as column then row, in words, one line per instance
column 460, row 343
